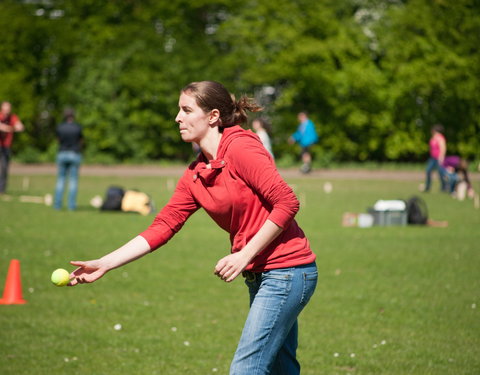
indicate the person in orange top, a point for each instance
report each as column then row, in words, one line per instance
column 9, row 124
column 235, row 181
column 438, row 149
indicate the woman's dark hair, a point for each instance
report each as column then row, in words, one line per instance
column 211, row 95
column 438, row 128
column 463, row 169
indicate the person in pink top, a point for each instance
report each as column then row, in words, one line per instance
column 9, row 124
column 234, row 179
column 438, row 149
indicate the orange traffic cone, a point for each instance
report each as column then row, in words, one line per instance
column 12, row 294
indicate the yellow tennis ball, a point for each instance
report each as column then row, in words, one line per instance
column 60, row 277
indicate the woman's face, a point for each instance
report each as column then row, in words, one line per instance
column 6, row 108
column 193, row 123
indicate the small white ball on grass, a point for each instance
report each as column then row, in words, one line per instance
column 48, row 199
column 96, row 201
column 327, row 187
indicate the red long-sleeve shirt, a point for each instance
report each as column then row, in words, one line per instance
column 240, row 191
column 6, row 138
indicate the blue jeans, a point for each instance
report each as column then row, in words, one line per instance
column 4, row 162
column 452, row 178
column 431, row 165
column 268, row 343
column 68, row 163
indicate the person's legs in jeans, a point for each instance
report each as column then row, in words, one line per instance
column 4, row 162
column 287, row 356
column 443, row 176
column 269, row 339
column 62, row 166
column 452, row 178
column 431, row 165
column 75, row 160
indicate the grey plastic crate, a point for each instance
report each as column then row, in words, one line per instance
column 388, row 218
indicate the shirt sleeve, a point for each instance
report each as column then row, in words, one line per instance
column 14, row 119
column 255, row 166
column 172, row 217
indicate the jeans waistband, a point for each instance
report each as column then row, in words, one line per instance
column 252, row 276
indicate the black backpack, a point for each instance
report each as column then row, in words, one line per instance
column 113, row 199
column 417, row 212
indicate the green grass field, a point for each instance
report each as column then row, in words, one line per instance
column 397, row 300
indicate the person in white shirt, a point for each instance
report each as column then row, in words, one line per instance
column 262, row 129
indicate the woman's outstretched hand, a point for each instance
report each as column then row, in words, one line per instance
column 87, row 272
column 92, row 270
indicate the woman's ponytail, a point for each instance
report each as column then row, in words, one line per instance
column 243, row 105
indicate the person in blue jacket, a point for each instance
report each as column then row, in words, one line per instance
column 305, row 136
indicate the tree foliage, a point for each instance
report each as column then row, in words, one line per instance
column 375, row 75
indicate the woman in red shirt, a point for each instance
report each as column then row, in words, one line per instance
column 235, row 181
column 438, row 149
column 9, row 124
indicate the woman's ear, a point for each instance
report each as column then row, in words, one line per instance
column 214, row 116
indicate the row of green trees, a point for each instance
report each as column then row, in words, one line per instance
column 374, row 75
